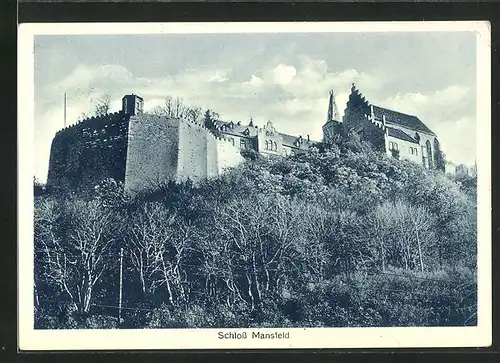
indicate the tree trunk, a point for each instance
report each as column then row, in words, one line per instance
column 252, row 299
column 256, row 279
column 169, row 289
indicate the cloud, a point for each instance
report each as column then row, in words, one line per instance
column 458, row 140
column 450, row 113
column 451, row 100
column 283, row 74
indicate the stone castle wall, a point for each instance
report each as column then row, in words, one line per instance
column 228, row 155
column 212, row 156
column 192, row 152
column 152, row 154
column 203, row 155
column 83, row 154
column 161, row 149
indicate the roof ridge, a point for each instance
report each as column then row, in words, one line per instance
column 402, row 113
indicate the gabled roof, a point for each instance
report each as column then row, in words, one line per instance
column 399, row 134
column 239, row 130
column 402, row 119
column 289, row 140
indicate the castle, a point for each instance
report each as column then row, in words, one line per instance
column 143, row 150
column 392, row 132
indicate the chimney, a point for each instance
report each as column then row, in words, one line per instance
column 132, row 105
column 308, row 138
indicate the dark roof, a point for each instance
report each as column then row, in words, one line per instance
column 289, row 140
column 398, row 118
column 239, row 130
column 399, row 134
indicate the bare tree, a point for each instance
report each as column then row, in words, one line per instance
column 102, row 106
column 257, row 248
column 145, row 236
column 157, row 243
column 76, row 253
column 194, row 114
column 402, row 234
column 172, row 108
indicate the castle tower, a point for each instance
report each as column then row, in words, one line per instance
column 132, row 105
column 333, row 112
column 332, row 124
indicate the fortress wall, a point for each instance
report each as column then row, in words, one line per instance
column 192, row 154
column 63, row 168
column 85, row 153
column 153, row 144
column 227, row 155
column 212, row 156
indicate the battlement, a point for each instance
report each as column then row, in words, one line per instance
column 380, row 123
column 89, row 120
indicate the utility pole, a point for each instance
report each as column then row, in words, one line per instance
column 65, row 105
column 121, row 288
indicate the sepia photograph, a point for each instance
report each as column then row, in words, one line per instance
column 251, row 185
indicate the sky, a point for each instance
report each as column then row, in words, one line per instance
column 281, row 77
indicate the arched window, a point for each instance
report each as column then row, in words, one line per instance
column 267, row 145
column 275, row 146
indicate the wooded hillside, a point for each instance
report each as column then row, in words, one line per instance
column 337, row 236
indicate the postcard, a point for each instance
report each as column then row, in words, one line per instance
column 254, row 185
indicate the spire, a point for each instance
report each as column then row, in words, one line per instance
column 333, row 112
column 251, row 122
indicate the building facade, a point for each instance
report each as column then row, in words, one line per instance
column 395, row 133
column 266, row 140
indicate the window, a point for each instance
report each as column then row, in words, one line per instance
column 393, row 146
column 243, row 144
column 275, row 146
column 413, row 151
column 267, row 145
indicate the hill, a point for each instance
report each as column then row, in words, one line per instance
column 337, row 236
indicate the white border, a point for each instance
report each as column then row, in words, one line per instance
column 30, row 339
